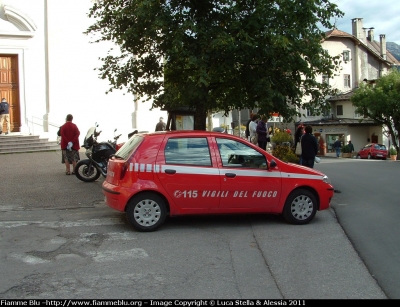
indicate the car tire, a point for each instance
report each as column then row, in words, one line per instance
column 358, row 157
column 369, row 156
column 146, row 211
column 300, row 207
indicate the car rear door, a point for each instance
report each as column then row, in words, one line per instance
column 246, row 183
column 189, row 173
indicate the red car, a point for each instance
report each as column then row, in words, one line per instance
column 373, row 151
column 155, row 175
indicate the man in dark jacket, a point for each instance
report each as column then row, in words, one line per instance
column 309, row 147
column 337, row 145
column 4, row 115
column 161, row 126
column 262, row 132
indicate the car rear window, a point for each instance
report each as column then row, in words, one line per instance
column 188, row 151
column 126, row 150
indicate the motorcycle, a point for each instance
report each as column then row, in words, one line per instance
column 98, row 154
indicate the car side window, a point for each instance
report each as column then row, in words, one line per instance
column 237, row 154
column 187, row 151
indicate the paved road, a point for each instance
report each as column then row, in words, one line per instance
column 59, row 240
column 368, row 210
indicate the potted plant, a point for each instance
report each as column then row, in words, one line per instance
column 281, row 137
column 346, row 151
column 285, row 153
column 393, row 153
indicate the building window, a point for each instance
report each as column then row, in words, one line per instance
column 346, row 55
column 339, row 110
column 346, row 79
column 325, row 79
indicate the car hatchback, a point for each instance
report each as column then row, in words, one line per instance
column 155, row 175
column 373, row 151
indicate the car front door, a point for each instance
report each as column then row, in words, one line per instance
column 246, row 183
column 365, row 151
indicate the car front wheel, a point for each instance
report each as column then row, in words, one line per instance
column 358, row 157
column 300, row 207
column 146, row 211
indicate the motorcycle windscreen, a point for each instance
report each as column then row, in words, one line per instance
column 88, row 142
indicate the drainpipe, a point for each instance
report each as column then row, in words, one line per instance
column 46, row 59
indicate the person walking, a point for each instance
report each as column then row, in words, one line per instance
column 161, row 126
column 309, row 147
column 351, row 146
column 70, row 144
column 337, row 145
column 262, row 132
column 4, row 115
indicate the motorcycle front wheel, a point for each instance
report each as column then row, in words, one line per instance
column 86, row 171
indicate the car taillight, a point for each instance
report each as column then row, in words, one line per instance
column 124, row 169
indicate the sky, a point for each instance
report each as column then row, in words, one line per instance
column 383, row 16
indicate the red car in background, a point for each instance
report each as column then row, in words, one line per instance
column 373, row 151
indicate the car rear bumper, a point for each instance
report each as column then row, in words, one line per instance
column 116, row 197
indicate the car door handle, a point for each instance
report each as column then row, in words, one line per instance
column 230, row 175
column 170, row 171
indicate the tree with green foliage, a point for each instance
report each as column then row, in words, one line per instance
column 213, row 55
column 381, row 102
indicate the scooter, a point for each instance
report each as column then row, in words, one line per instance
column 98, row 154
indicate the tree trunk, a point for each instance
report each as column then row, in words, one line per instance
column 200, row 117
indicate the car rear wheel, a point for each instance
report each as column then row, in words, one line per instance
column 300, row 207
column 358, row 157
column 146, row 211
column 369, row 156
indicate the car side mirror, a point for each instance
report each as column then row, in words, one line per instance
column 272, row 164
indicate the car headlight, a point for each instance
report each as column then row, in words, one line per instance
column 326, row 179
